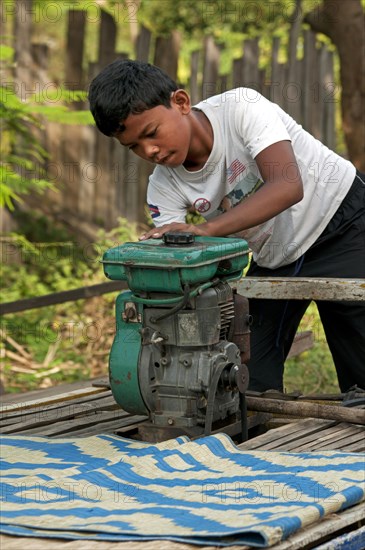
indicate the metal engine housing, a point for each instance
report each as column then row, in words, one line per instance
column 184, row 355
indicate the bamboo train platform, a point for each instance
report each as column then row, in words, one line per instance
column 88, row 408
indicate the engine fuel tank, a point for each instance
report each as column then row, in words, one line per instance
column 158, row 266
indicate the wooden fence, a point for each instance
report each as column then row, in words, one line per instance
column 98, row 180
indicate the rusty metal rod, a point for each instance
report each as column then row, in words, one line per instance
column 309, row 410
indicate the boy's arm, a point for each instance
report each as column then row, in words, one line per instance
column 282, row 188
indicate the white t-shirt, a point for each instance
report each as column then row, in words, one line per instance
column 245, row 123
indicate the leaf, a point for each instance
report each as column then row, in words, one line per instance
column 8, row 196
column 6, row 53
column 63, row 115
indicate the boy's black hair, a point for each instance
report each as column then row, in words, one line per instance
column 127, row 87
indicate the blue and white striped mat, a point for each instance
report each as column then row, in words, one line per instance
column 202, row 492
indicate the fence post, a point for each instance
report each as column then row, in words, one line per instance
column 310, row 86
column 143, row 45
column 330, row 100
column 237, row 73
column 276, row 73
column 194, row 86
column 107, row 39
column 293, row 89
column 250, row 66
column 211, row 66
column 167, row 53
column 90, row 172
column 75, row 50
column 22, row 38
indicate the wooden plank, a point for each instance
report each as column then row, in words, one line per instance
column 285, row 443
column 312, row 442
column 75, row 50
column 167, row 50
column 250, row 67
column 309, row 78
column 319, row 122
column 308, row 435
column 62, row 297
column 318, row 442
column 103, row 184
column 292, row 87
column 342, row 441
column 10, row 407
column 194, row 69
column 23, row 64
column 354, row 540
column 107, row 39
column 211, row 68
column 143, row 44
column 358, row 447
column 330, row 99
column 276, row 84
column 286, row 433
column 301, row 288
column 99, row 400
column 43, row 398
column 290, row 288
column 237, row 72
column 80, row 423
column 57, row 415
column 107, row 399
column 89, row 172
column 54, row 390
column 306, row 409
column 315, row 92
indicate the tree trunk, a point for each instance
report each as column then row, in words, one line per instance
column 344, row 22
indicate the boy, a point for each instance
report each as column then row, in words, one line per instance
column 253, row 172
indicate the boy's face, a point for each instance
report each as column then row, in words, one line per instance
column 160, row 135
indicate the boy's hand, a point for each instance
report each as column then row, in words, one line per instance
column 157, row 232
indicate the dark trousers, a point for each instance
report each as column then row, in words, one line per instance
column 338, row 252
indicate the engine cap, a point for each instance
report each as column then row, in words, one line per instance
column 176, row 238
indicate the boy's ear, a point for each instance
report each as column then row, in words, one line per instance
column 182, row 99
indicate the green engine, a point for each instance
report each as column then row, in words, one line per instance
column 182, row 333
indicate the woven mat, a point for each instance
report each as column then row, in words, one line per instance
column 204, row 492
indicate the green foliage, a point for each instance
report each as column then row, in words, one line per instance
column 16, row 122
column 220, row 18
column 22, row 155
column 125, row 231
column 6, row 53
column 184, row 15
column 53, row 106
column 312, row 371
column 67, row 332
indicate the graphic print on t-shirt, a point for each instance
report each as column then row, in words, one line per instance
column 202, row 205
column 234, row 170
column 154, row 211
column 243, row 188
